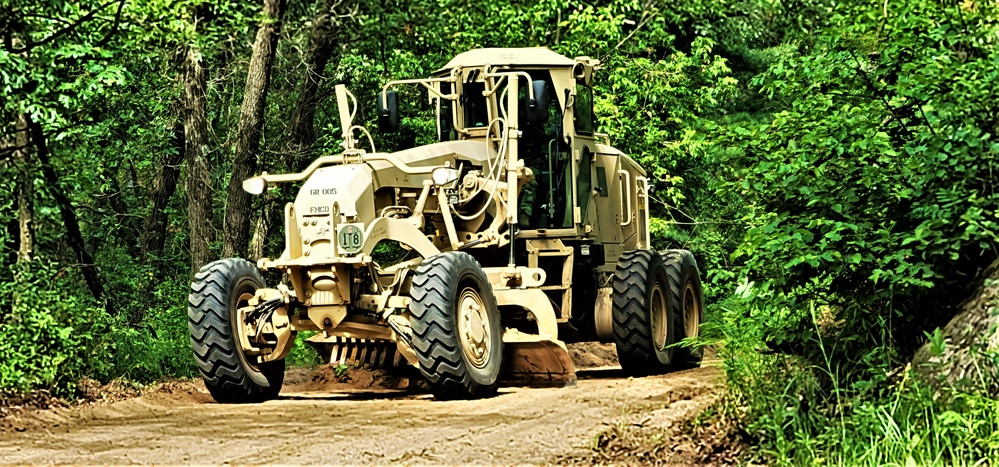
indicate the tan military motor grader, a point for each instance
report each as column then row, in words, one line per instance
column 523, row 232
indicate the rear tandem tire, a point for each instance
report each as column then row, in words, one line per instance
column 645, row 326
column 686, row 297
column 215, row 297
column 457, row 336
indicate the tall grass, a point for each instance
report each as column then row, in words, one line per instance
column 796, row 412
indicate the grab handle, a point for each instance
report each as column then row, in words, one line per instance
column 625, row 197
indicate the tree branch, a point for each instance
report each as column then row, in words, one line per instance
column 647, row 15
column 68, row 29
column 114, row 26
column 7, row 152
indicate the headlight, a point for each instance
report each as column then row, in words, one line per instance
column 444, row 175
column 255, row 185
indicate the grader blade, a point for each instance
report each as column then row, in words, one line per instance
column 542, row 363
column 369, row 353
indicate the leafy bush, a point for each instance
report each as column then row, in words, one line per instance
column 869, row 202
column 302, row 354
column 52, row 336
column 43, row 333
column 872, row 189
column 158, row 348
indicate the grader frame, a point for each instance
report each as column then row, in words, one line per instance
column 516, row 221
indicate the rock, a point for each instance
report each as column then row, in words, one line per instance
column 971, row 343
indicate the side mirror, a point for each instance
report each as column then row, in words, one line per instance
column 388, row 111
column 536, row 110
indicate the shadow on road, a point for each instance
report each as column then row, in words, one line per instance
column 337, row 394
column 606, row 372
column 353, row 395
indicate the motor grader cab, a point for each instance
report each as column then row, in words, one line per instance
column 520, row 230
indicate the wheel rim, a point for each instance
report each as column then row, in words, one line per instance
column 691, row 311
column 660, row 325
column 473, row 326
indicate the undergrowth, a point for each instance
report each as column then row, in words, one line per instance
column 302, row 354
column 53, row 337
column 797, row 413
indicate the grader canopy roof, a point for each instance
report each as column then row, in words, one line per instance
column 528, row 56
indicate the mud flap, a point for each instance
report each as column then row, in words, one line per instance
column 538, row 363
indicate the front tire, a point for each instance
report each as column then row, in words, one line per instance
column 457, row 336
column 219, row 289
column 645, row 325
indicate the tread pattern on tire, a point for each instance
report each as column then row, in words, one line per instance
column 216, row 348
column 677, row 262
column 435, row 338
column 632, row 323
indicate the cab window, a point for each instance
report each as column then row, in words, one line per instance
column 582, row 109
column 474, row 105
column 445, row 116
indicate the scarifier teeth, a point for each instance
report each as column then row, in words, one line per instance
column 375, row 354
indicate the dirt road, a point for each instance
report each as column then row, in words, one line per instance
column 180, row 425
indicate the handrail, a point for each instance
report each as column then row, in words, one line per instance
column 424, row 82
column 339, row 160
column 506, row 74
column 642, row 185
column 625, row 196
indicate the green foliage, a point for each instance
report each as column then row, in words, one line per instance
column 869, row 203
column 41, row 336
column 302, row 354
column 800, row 412
column 52, row 336
column 871, row 188
column 341, row 372
column 159, row 348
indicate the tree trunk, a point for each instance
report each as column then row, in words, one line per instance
column 199, row 180
column 251, row 124
column 261, row 230
column 970, row 340
column 10, row 244
column 25, row 193
column 301, row 134
column 73, row 235
column 154, row 228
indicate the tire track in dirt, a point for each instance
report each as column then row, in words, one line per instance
column 371, row 426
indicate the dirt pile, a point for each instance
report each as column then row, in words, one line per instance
column 14, row 407
column 587, row 355
column 329, row 378
column 92, row 391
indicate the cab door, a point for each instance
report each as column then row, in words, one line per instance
column 583, row 158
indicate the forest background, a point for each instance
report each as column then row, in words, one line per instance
column 831, row 165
